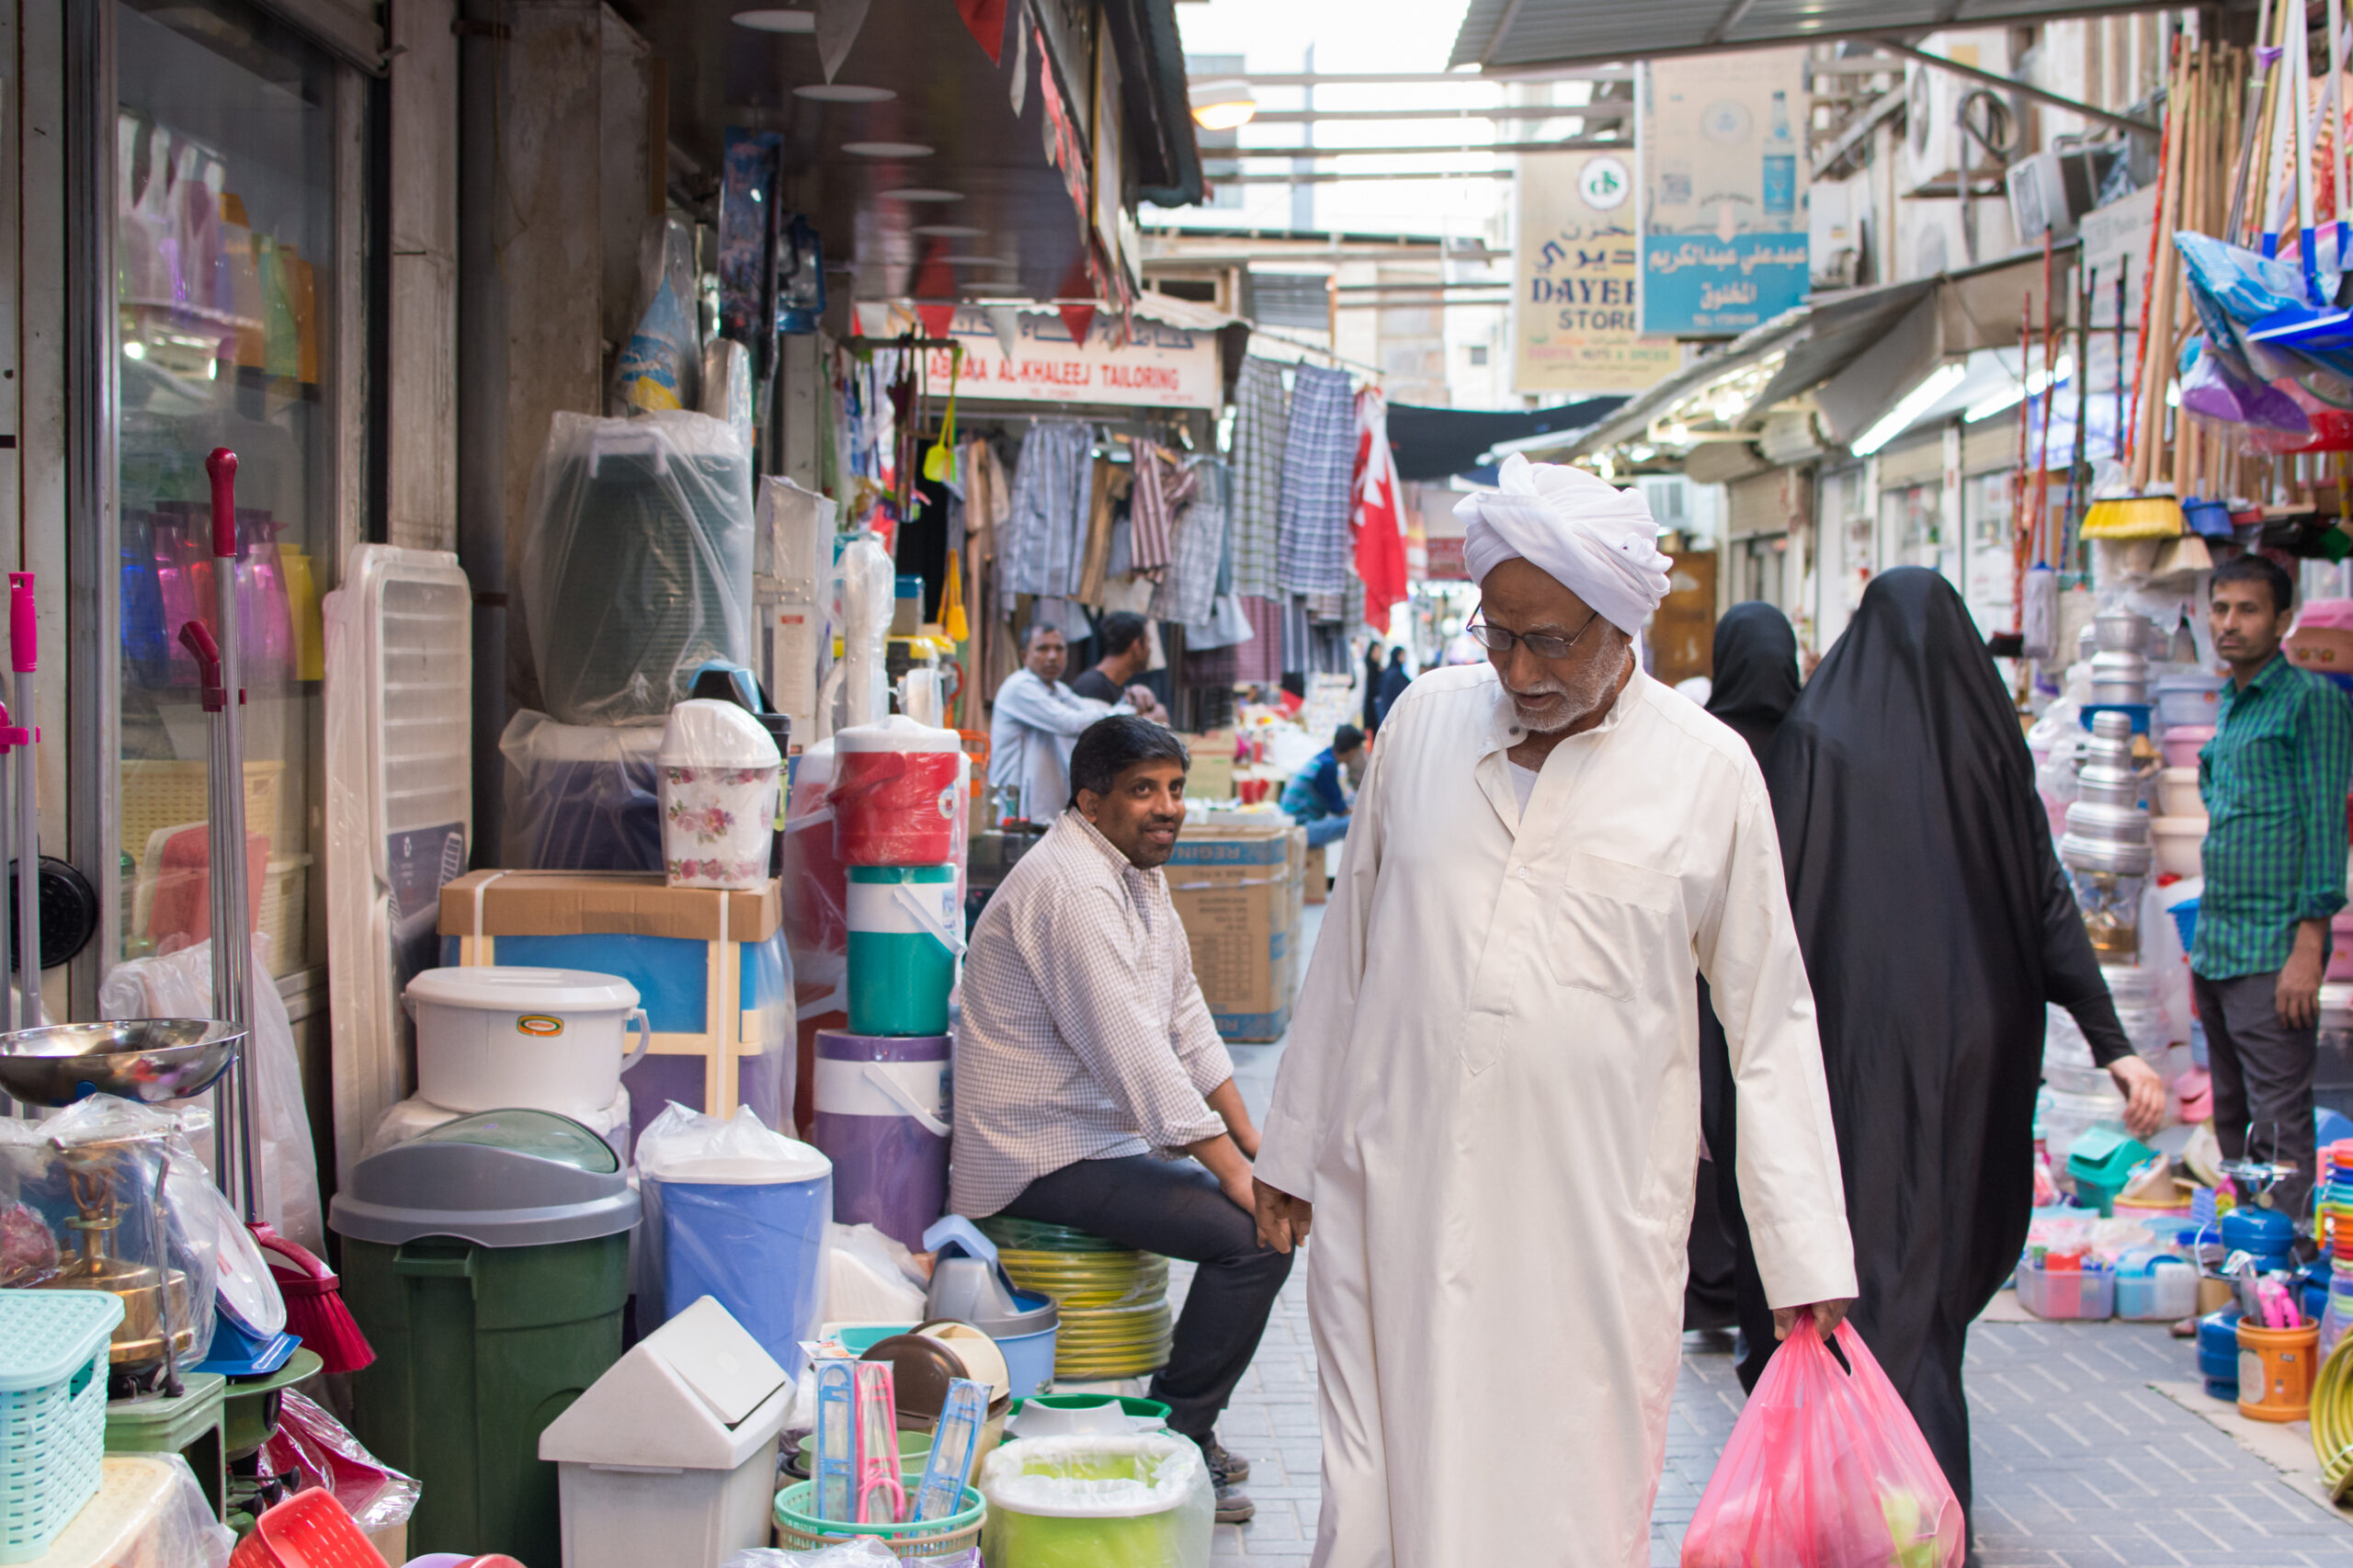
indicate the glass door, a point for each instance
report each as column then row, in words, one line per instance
column 225, row 269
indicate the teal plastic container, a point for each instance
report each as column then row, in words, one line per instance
column 907, row 930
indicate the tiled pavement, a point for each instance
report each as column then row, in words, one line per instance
column 2080, row 1463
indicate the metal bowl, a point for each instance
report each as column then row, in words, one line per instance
column 150, row 1059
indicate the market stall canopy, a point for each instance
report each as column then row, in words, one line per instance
column 1499, row 35
column 1437, row 443
column 911, row 160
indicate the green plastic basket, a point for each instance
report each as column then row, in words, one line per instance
column 53, row 1411
column 797, row 1530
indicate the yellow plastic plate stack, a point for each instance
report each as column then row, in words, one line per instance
column 1115, row 1317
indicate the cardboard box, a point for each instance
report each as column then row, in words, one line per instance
column 1239, row 886
column 1210, row 775
column 709, row 969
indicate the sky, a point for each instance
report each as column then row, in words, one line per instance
column 1352, row 36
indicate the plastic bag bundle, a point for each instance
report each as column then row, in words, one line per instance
column 661, row 366
column 637, row 562
column 179, row 985
column 315, row 1446
column 1139, row 1501
column 1825, row 1469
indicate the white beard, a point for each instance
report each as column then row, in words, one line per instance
column 1555, row 705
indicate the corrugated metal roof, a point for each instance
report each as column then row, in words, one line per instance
column 1505, row 34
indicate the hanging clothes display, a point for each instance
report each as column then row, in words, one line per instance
column 1108, row 494
column 1319, row 457
column 1261, row 433
column 1161, row 486
column 1189, row 584
column 1375, row 514
column 1045, row 532
column 1261, row 658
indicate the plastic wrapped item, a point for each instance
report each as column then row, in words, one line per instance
column 661, row 366
column 869, row 1278
column 1142, row 1501
column 727, row 386
column 738, row 1211
column 581, row 797
column 863, row 1553
column 179, row 985
column 2213, row 389
column 315, row 1446
column 815, row 887
column 151, row 1512
column 720, row 772
column 868, row 597
column 1825, row 1469
column 637, row 562
column 115, row 1159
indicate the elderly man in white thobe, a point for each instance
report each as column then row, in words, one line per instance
column 1489, row 1108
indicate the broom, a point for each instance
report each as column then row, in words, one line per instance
column 314, row 1313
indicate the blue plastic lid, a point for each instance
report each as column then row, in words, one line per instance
column 47, row 1336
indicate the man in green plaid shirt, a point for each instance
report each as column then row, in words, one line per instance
column 2274, row 780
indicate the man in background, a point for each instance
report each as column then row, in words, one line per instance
column 1315, row 799
column 1393, row 682
column 2274, row 780
column 1127, row 653
column 1033, row 724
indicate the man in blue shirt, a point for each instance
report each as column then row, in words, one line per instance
column 2274, row 780
column 1313, row 798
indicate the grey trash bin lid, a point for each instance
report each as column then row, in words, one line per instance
column 504, row 1178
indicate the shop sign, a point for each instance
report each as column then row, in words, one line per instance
column 1723, row 221
column 1160, row 365
column 1577, row 324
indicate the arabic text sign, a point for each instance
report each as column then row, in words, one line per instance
column 1723, row 222
column 1578, row 312
column 1706, row 288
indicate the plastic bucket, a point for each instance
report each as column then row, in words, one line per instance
column 905, row 931
column 1029, row 1361
column 756, row 1245
column 881, row 1106
column 2182, row 744
column 2275, row 1371
column 895, row 793
column 508, row 1036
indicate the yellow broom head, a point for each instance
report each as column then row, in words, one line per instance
column 2134, row 516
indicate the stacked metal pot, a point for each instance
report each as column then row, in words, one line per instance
column 2105, row 848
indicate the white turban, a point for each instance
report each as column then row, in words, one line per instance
column 1593, row 538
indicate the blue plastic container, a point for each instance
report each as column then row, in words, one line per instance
column 2267, row 1234
column 754, row 1239
column 2218, row 1353
column 1030, row 1358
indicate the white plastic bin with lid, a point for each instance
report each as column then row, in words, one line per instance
column 514, row 1037
column 2180, row 843
column 2190, row 698
column 737, row 1211
column 2177, row 793
column 668, row 1460
column 718, row 778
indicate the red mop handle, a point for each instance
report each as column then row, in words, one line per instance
column 24, row 623
column 222, row 466
column 196, row 637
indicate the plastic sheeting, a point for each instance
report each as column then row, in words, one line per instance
column 637, row 562
column 313, row 1445
column 150, row 1159
column 864, row 1553
column 179, row 985
column 581, row 797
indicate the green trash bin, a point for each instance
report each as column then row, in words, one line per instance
column 487, row 1262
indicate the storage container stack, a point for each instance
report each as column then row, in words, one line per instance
column 900, row 812
column 2106, row 849
column 2322, row 644
column 1116, row 1321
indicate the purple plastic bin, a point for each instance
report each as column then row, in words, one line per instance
column 881, row 1118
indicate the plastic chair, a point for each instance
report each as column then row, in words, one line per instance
column 310, row 1529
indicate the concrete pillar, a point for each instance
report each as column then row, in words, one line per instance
column 421, row 367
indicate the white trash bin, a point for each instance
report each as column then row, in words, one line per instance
column 669, row 1459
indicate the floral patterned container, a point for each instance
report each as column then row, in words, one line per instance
column 720, row 773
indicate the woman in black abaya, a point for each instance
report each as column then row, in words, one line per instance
column 1754, row 672
column 1936, row 923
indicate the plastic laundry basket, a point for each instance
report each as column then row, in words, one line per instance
column 53, row 1411
column 798, row 1528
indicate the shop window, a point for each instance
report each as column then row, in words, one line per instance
column 225, row 267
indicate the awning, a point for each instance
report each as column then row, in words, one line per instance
column 1505, row 34
column 1858, row 351
column 1437, row 443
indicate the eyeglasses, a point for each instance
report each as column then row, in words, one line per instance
column 1543, row 645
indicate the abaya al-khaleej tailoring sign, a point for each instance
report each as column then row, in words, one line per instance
column 1577, row 319
column 1721, row 144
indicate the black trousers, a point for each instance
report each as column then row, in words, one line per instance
column 1176, row 1209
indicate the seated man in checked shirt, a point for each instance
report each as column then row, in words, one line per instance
column 1092, row 1089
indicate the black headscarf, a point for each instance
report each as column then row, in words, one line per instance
column 1756, row 673
column 1936, row 923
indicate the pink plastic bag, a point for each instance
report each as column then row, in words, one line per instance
column 1825, row 1469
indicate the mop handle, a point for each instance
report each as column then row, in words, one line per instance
column 232, row 938
column 24, row 655
column 196, row 637
column 222, row 466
